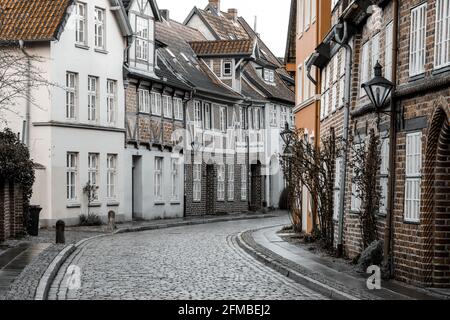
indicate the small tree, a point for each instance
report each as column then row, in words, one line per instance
column 314, row 168
column 366, row 165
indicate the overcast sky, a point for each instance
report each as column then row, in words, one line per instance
column 273, row 17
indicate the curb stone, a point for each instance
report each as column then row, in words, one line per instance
column 52, row 270
column 304, row 280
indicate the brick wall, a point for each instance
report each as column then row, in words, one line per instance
column 11, row 211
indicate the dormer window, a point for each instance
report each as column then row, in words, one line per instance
column 226, row 68
column 269, row 75
column 142, row 38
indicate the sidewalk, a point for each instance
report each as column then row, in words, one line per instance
column 24, row 262
column 335, row 280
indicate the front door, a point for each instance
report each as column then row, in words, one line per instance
column 256, row 187
column 210, row 191
column 136, row 188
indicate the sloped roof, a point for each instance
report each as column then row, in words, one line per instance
column 223, row 48
column 32, row 20
column 185, row 64
column 290, row 54
column 223, row 26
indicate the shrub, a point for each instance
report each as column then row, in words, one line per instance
column 90, row 220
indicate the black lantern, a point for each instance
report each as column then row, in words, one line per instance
column 286, row 136
column 379, row 88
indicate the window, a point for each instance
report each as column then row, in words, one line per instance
column 80, row 28
column 341, row 92
column 71, row 175
column 334, row 98
column 178, row 108
column 300, row 17
column 221, row 182
column 306, row 84
column 307, row 13
column 230, row 182
column 413, row 176
column 226, row 68
column 207, row 116
column 223, row 119
column 300, row 83
column 71, row 94
column 417, row 40
column 158, row 177
column 313, row 11
column 92, row 98
column 273, row 115
column 442, row 34
column 243, row 182
column 197, row 114
column 111, row 99
column 375, row 42
column 144, row 101
column 175, row 177
column 384, row 174
column 324, row 105
column 99, row 28
column 365, row 68
column 93, row 174
column 343, row 59
column 269, row 75
column 388, row 51
column 167, row 106
column 156, row 103
column 111, row 167
column 337, row 187
column 356, row 197
column 197, row 177
column 284, row 116
column 142, row 36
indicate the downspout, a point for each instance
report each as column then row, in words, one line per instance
column 26, row 133
column 388, row 265
column 348, row 77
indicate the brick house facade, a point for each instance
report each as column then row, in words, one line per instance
column 420, row 241
column 11, row 211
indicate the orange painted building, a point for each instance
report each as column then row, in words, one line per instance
column 310, row 21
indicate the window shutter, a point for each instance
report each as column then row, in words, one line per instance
column 417, row 40
column 388, row 51
column 413, row 176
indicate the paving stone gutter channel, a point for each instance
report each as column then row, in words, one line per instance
column 51, row 271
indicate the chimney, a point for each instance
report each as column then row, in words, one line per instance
column 215, row 4
column 233, row 13
column 165, row 14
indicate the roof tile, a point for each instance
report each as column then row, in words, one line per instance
column 223, row 47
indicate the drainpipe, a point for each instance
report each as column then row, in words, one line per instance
column 26, row 129
column 388, row 266
column 348, row 60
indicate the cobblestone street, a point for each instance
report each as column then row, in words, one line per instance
column 189, row 262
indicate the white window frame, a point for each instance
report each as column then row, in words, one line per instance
column 71, row 95
column 94, row 173
column 413, row 176
column 197, row 182
column 111, row 101
column 175, row 174
column 442, row 34
column 307, row 14
column 389, row 38
column 178, row 108
column 375, row 53
column 220, row 182
column 144, row 101
column 158, row 178
column 156, row 104
column 337, row 187
column 300, row 83
column 223, row 119
column 227, row 68
column 81, row 23
column 365, row 66
column 231, row 182
column 273, row 115
column 300, row 18
column 72, row 176
column 197, row 114
column 92, row 98
column 243, row 182
column 384, row 174
column 417, row 45
column 142, row 38
column 99, row 28
column 111, row 177
column 167, row 106
column 207, row 116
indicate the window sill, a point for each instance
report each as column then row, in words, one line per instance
column 175, row 203
column 113, row 203
column 416, row 77
column 95, row 205
column 73, row 205
column 102, row 51
column 441, row 70
column 411, row 222
column 159, row 203
column 81, row 46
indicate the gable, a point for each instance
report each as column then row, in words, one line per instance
column 145, row 7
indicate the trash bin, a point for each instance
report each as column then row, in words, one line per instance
column 33, row 220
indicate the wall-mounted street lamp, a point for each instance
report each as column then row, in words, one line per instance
column 378, row 89
column 286, row 136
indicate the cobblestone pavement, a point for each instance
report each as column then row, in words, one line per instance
column 189, row 262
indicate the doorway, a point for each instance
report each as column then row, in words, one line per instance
column 136, row 188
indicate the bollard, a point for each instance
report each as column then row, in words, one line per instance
column 111, row 221
column 60, row 226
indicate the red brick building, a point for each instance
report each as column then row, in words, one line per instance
column 409, row 39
